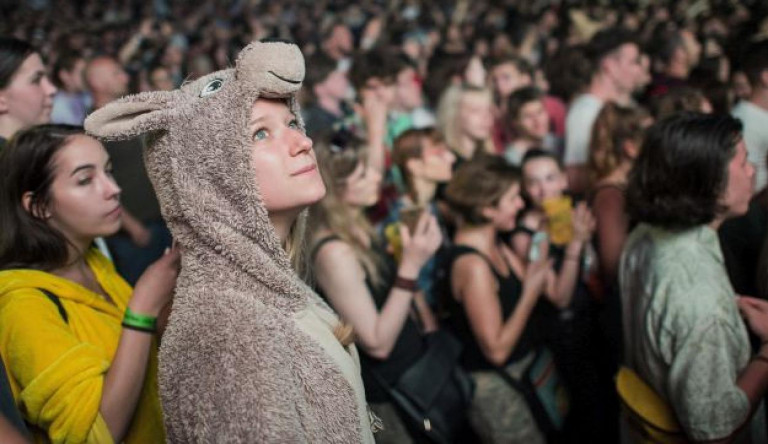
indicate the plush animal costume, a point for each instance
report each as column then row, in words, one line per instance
column 249, row 354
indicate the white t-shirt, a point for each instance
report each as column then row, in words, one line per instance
column 755, row 120
column 578, row 128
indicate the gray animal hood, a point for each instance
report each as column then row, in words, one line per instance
column 249, row 353
column 198, row 158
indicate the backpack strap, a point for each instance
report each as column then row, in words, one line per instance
column 55, row 299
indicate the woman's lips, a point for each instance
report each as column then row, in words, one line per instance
column 115, row 212
column 306, row 169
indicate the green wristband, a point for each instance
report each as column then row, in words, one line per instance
column 138, row 321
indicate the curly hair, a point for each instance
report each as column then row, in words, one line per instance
column 682, row 170
column 614, row 126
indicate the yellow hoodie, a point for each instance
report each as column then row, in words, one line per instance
column 56, row 367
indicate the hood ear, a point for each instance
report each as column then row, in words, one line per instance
column 131, row 116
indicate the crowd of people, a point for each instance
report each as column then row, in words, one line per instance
column 393, row 222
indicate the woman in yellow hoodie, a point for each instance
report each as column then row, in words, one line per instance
column 77, row 342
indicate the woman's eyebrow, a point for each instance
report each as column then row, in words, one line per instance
column 88, row 166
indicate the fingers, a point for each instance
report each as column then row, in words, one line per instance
column 405, row 235
column 754, row 316
column 752, row 303
column 171, row 256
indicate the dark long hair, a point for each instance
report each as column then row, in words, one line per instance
column 682, row 170
column 13, row 52
column 26, row 163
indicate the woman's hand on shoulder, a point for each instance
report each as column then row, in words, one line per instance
column 419, row 246
column 155, row 287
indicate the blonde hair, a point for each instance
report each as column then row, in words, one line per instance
column 448, row 116
column 343, row 220
column 614, row 126
column 296, row 248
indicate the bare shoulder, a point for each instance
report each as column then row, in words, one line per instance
column 471, row 268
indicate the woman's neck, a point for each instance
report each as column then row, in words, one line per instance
column 482, row 237
column 618, row 176
column 424, row 190
column 282, row 222
column 8, row 128
column 467, row 147
column 76, row 269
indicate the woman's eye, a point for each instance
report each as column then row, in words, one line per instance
column 260, row 134
column 84, row 181
column 211, row 87
column 293, row 124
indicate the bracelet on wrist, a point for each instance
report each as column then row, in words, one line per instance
column 139, row 322
column 405, row 284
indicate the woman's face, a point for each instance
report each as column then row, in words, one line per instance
column 533, row 120
column 475, row 116
column 507, row 79
column 85, row 200
column 282, row 158
column 361, row 187
column 28, row 98
column 543, row 179
column 504, row 214
column 738, row 191
column 436, row 163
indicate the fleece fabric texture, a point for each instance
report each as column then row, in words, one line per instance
column 56, row 367
column 235, row 365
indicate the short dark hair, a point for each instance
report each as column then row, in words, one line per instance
column 381, row 63
column 539, row 153
column 755, row 61
column 676, row 100
column 26, row 161
column 65, row 62
column 682, row 170
column 479, row 183
column 606, row 42
column 13, row 52
column 520, row 64
column 519, row 98
column 320, row 66
column 665, row 40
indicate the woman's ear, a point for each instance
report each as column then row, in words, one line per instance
column 488, row 212
column 27, row 201
column 630, row 149
column 415, row 166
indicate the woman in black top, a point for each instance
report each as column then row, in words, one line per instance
column 494, row 298
column 359, row 280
